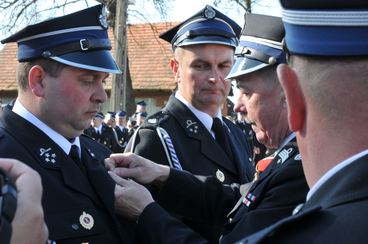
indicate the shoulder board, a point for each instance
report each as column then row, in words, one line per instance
column 155, row 120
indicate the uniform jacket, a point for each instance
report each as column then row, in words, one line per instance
column 336, row 213
column 196, row 150
column 195, row 147
column 107, row 137
column 123, row 137
column 78, row 207
column 272, row 197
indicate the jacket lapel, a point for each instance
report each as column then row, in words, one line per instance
column 241, row 157
column 194, row 129
column 99, row 178
column 47, row 153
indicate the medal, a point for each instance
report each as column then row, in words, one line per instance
column 220, row 176
column 86, row 220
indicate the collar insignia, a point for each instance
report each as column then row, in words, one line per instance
column 48, row 155
column 284, row 155
column 192, row 126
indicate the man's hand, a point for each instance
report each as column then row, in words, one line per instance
column 144, row 171
column 131, row 198
column 28, row 224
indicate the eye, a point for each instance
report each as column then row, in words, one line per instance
column 201, row 66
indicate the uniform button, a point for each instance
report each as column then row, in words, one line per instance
column 75, row 226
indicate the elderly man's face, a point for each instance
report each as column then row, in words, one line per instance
column 261, row 99
column 200, row 72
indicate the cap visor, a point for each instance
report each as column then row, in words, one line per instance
column 100, row 60
column 244, row 66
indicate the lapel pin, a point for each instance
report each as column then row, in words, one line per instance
column 86, row 220
column 220, row 175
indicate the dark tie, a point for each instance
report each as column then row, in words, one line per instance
column 221, row 136
column 74, row 154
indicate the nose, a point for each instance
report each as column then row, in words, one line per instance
column 240, row 105
column 100, row 95
column 215, row 75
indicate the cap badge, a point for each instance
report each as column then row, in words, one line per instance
column 220, row 175
column 192, row 126
column 47, row 155
column 86, row 220
column 103, row 18
column 209, row 13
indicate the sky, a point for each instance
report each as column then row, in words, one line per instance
column 143, row 11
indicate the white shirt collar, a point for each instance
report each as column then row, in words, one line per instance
column 19, row 109
column 333, row 171
column 205, row 118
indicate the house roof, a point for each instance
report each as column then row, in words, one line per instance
column 148, row 56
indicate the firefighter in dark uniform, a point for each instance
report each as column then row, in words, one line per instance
column 279, row 184
column 121, row 129
column 182, row 134
column 104, row 134
column 63, row 63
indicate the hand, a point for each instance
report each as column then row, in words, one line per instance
column 28, row 224
column 144, row 171
column 131, row 198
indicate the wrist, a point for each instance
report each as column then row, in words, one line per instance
column 163, row 173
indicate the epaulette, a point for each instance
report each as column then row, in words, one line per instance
column 155, row 120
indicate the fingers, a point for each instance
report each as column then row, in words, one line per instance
column 27, row 180
column 14, row 167
column 109, row 164
column 118, row 180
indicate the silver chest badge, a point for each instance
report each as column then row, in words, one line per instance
column 86, row 220
column 220, row 175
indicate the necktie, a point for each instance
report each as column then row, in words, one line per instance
column 74, row 154
column 221, row 136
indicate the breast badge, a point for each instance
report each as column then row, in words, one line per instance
column 86, row 220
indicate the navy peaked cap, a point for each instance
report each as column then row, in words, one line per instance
column 326, row 27
column 99, row 115
column 79, row 39
column 142, row 103
column 121, row 114
column 260, row 45
column 143, row 114
column 208, row 26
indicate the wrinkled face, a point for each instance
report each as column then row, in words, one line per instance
column 72, row 99
column 200, row 72
column 261, row 99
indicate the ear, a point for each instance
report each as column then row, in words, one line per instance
column 36, row 76
column 174, row 65
column 294, row 97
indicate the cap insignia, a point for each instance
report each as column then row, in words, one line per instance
column 103, row 18
column 209, row 13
